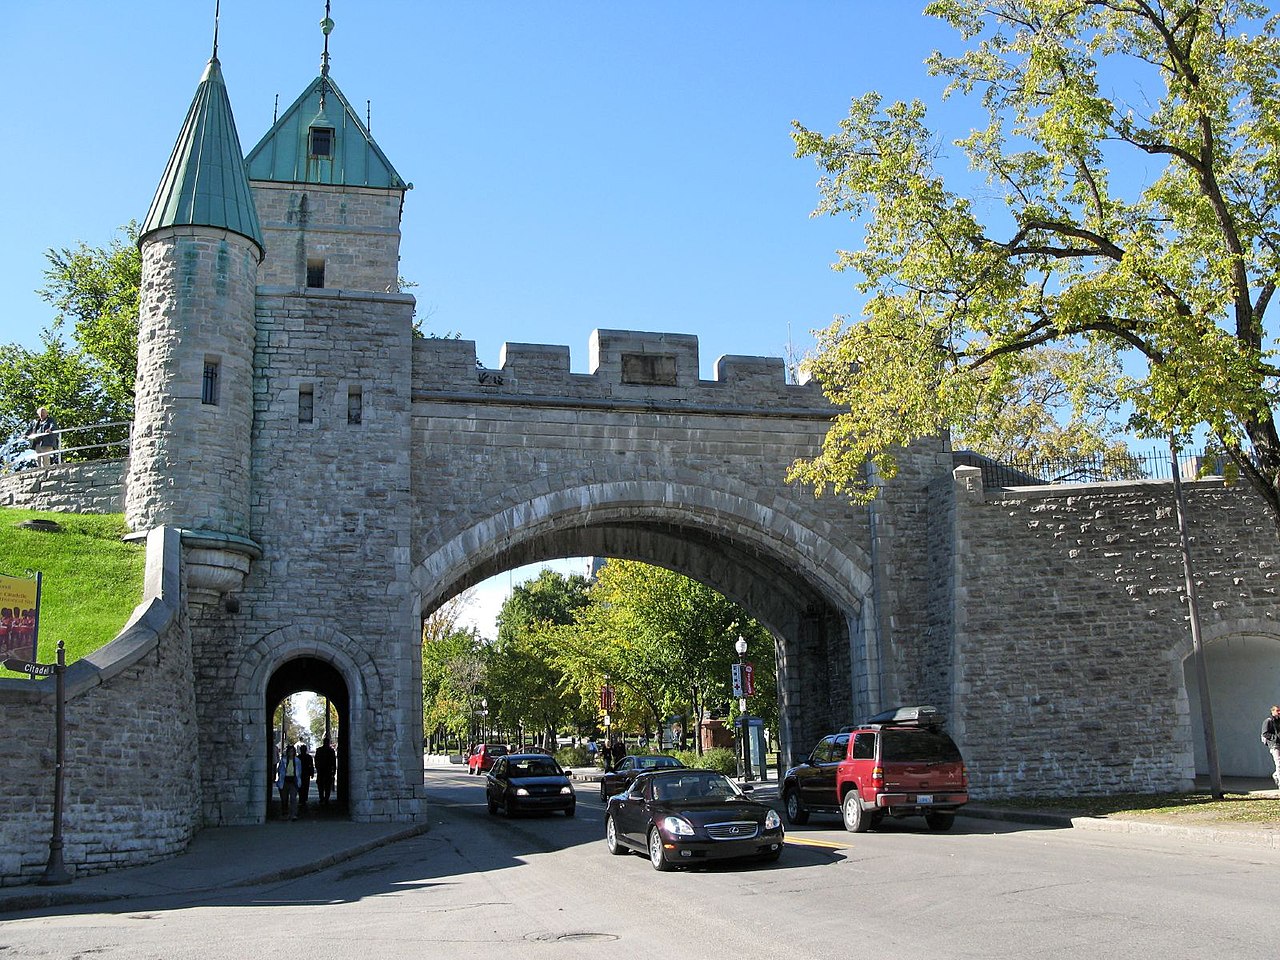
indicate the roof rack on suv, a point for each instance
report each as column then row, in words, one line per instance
column 924, row 715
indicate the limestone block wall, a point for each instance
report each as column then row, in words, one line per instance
column 508, row 455
column 189, row 460
column 331, row 511
column 68, row 487
column 132, row 792
column 1071, row 628
column 355, row 231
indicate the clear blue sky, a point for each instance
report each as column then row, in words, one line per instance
column 576, row 164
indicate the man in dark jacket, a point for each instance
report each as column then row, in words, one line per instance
column 1271, row 738
column 42, row 432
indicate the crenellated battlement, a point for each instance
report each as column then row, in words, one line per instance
column 625, row 365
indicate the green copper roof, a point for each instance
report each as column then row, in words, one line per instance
column 285, row 154
column 205, row 183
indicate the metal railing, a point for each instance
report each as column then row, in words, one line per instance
column 1156, row 465
column 86, row 444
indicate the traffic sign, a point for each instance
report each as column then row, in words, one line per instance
column 29, row 668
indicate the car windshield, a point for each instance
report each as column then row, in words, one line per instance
column 917, row 746
column 696, row 786
column 535, row 767
column 654, row 763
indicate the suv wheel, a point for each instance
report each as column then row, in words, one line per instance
column 940, row 820
column 856, row 819
column 796, row 813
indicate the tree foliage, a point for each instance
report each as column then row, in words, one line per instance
column 1134, row 146
column 85, row 369
column 453, row 670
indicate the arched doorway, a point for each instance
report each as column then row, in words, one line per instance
column 322, row 678
column 1244, row 681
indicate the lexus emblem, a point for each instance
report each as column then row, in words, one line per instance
column 734, row 830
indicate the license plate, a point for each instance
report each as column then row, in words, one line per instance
column 925, row 798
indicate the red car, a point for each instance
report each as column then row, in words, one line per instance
column 482, row 757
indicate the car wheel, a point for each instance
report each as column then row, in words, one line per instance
column 856, row 820
column 611, row 838
column 492, row 804
column 569, row 810
column 796, row 813
column 940, row 821
column 604, row 796
column 658, row 856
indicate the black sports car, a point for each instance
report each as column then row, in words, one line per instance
column 686, row 817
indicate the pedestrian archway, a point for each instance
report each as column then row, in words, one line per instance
column 1244, row 681
column 323, row 679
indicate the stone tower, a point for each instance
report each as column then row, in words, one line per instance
column 201, row 248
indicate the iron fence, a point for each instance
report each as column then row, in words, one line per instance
column 1155, row 465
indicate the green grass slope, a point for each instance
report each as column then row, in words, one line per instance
column 91, row 580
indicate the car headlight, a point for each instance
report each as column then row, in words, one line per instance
column 521, row 792
column 677, row 826
column 566, row 789
column 771, row 821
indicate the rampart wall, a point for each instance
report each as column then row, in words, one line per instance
column 96, row 487
column 132, row 785
column 1072, row 628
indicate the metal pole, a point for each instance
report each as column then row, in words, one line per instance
column 1197, row 648
column 746, row 717
column 55, row 873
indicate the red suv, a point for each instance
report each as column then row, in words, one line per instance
column 898, row 763
column 483, row 755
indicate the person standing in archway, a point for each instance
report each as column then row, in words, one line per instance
column 288, row 780
column 326, row 769
column 1271, row 739
column 307, row 771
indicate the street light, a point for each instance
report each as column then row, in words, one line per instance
column 741, row 647
column 484, row 718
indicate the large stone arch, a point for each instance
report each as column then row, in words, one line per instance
column 810, row 592
column 359, row 670
column 1242, row 662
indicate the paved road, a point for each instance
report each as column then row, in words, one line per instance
column 478, row 887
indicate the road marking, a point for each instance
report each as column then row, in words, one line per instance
column 824, row 844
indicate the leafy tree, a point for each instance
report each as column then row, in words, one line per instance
column 453, row 670
column 85, row 369
column 526, row 687
column 1134, row 144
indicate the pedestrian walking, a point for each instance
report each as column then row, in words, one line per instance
column 326, row 769
column 288, row 780
column 306, row 772
column 1271, row 739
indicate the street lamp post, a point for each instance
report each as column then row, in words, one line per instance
column 741, row 647
column 484, row 719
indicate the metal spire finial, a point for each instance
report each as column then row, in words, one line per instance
column 217, row 10
column 326, row 27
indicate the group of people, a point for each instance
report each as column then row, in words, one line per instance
column 17, row 631
column 295, row 771
column 611, row 753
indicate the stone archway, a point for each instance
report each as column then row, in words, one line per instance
column 808, row 592
column 1243, row 667
column 316, row 675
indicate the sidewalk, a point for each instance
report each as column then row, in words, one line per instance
column 221, row 857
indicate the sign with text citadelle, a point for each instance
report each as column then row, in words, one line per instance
column 19, row 617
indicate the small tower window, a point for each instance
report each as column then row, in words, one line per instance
column 209, row 383
column 355, row 405
column 315, row 272
column 321, row 142
column 306, row 403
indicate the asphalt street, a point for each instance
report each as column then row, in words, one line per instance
column 477, row 886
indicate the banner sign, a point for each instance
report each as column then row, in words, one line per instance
column 19, row 617
column 744, row 679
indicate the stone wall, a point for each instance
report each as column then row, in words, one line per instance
column 1071, row 628
column 132, row 792
column 67, row 488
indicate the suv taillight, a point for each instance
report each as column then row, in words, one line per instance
column 964, row 777
column 877, row 777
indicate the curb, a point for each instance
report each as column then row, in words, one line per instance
column 302, row 869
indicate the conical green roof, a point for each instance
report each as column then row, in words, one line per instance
column 205, row 183
column 285, row 154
